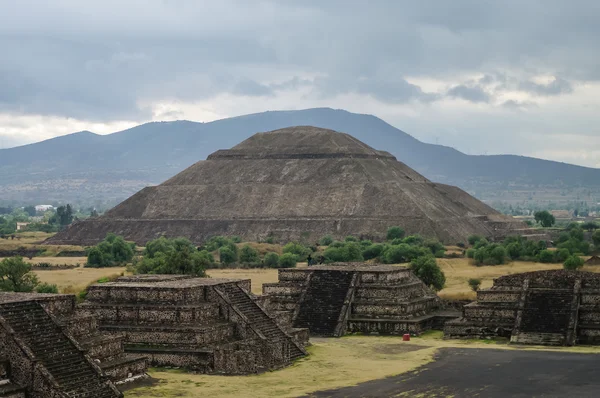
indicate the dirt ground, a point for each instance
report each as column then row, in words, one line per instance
column 468, row 372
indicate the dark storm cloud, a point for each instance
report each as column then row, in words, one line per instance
column 103, row 60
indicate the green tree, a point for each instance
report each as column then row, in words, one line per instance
column 373, row 251
column 426, row 269
column 350, row 238
column 326, row 240
column 573, row 263
column 16, row 276
column 546, row 256
column 113, row 250
column 473, row 239
column 174, row 256
column 544, row 218
column 287, row 260
column 590, row 226
column 394, row 233
column 46, row 288
column 30, row 210
column 227, row 256
column 596, row 237
column 474, row 283
column 271, row 260
column 300, row 251
column 249, row 255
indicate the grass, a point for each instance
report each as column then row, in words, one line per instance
column 33, row 241
column 76, row 279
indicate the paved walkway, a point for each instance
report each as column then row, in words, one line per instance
column 493, row 373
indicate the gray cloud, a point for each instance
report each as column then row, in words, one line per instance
column 556, row 87
column 473, row 94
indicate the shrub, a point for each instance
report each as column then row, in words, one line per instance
column 426, row 269
column 366, row 243
column 326, row 240
column 596, row 237
column 46, row 288
column 350, row 251
column 227, row 256
column 573, row 263
column 300, row 251
column 373, row 251
column 473, row 239
column 216, row 242
column 350, row 238
column 415, row 240
column 590, row 225
column 174, row 256
column 271, row 260
column 287, row 260
column 337, row 243
column 546, row 256
column 236, row 239
column 249, row 255
column 113, row 250
column 471, row 253
column 435, row 246
column 15, row 276
column 270, row 240
column 394, row 233
column 562, row 255
column 474, row 283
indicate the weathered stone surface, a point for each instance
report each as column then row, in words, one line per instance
column 205, row 324
column 332, row 300
column 289, row 183
column 545, row 307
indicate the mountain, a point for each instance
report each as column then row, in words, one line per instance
column 90, row 168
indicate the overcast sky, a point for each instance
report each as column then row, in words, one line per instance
column 491, row 77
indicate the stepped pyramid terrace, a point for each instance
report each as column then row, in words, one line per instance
column 545, row 307
column 332, row 300
column 204, row 324
column 297, row 182
column 50, row 349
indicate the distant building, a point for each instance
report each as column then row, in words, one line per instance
column 42, row 208
column 21, row 225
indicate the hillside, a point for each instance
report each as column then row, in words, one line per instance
column 92, row 168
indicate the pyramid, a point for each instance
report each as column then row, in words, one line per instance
column 295, row 183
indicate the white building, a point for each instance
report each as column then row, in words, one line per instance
column 42, row 208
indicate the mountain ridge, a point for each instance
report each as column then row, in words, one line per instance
column 152, row 152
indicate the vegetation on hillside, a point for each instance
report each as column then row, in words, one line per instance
column 174, row 256
column 112, row 251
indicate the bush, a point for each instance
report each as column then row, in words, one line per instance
column 473, row 239
column 217, row 242
column 573, row 263
column 562, row 255
column 46, row 288
column 112, row 251
column 414, row 240
column 351, row 251
column 236, row 239
column 394, row 233
column 365, row 243
column 15, row 276
column 300, row 251
column 174, row 256
column 249, row 255
column 350, row 238
column 227, row 256
column 271, row 260
column 590, row 225
column 471, row 253
column 435, row 247
column 546, row 256
column 596, row 237
column 270, row 240
column 426, row 269
column 373, row 251
column 337, row 243
column 287, row 260
column 326, row 240
column 474, row 283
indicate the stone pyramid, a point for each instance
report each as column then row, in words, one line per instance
column 298, row 182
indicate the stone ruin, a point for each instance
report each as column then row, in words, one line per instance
column 545, row 307
column 293, row 183
column 332, row 300
column 50, row 349
column 204, row 324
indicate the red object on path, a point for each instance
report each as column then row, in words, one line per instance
column 406, row 337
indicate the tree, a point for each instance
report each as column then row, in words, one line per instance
column 544, row 218
column 473, row 239
column 426, row 269
column 63, row 216
column 46, row 288
column 271, row 260
column 596, row 237
column 227, row 256
column 326, row 240
column 573, row 263
column 249, row 255
column 113, row 250
column 394, row 233
column 546, row 256
column 474, row 283
column 174, row 256
column 590, row 226
column 300, row 251
column 93, row 213
column 30, row 210
column 287, row 260
column 373, row 251
column 16, row 275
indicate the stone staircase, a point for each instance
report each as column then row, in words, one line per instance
column 75, row 375
column 321, row 307
column 259, row 319
column 9, row 389
column 545, row 317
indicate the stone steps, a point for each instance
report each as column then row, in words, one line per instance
column 215, row 331
column 259, row 319
column 152, row 314
column 125, row 366
column 11, row 390
column 323, row 302
column 69, row 367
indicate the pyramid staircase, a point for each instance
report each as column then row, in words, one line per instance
column 7, row 387
column 260, row 320
column 74, row 373
column 323, row 304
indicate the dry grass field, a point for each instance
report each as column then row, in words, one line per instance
column 76, row 279
column 33, row 241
